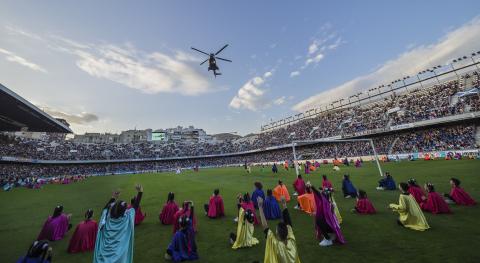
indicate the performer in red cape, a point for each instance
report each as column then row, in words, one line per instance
column 185, row 210
column 56, row 225
column 458, row 195
column 85, row 234
column 299, row 185
column 325, row 183
column 139, row 216
column 214, row 208
column 415, row 190
column 169, row 210
column 364, row 206
column 434, row 203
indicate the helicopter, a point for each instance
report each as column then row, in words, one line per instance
column 212, row 60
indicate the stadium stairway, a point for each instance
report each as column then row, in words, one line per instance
column 477, row 136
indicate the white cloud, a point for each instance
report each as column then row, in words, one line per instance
column 315, row 59
column 149, row 72
column 294, row 73
column 12, row 57
column 458, row 42
column 251, row 95
column 312, row 48
column 82, row 118
column 280, row 101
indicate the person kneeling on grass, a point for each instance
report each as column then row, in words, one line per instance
column 56, row 225
column 245, row 229
column 299, row 186
column 168, row 211
column 183, row 246
column 387, row 183
column 271, row 209
column 306, row 202
column 115, row 231
column 257, row 193
column 281, row 246
column 39, row 252
column 326, row 222
column 281, row 191
column 458, row 195
column 415, row 190
column 139, row 215
column 85, row 234
column 411, row 216
column 214, row 208
column 185, row 210
column 363, row 206
column 349, row 191
column 434, row 203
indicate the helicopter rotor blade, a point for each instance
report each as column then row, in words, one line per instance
column 204, row 61
column 224, row 59
column 200, row 51
column 221, row 49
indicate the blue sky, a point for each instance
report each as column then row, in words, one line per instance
column 108, row 66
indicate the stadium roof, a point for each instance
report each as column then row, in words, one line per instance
column 17, row 114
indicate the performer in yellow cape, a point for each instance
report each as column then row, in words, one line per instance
column 411, row 216
column 307, row 200
column 281, row 190
column 245, row 229
column 281, row 247
column 337, row 212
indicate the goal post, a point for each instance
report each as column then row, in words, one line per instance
column 295, row 144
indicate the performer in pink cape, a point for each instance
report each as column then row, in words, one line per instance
column 364, row 206
column 85, row 234
column 247, row 204
column 415, row 190
column 434, row 203
column 185, row 210
column 458, row 195
column 169, row 209
column 214, row 208
column 56, row 226
column 326, row 223
column 299, row 185
column 139, row 216
column 358, row 163
column 325, row 183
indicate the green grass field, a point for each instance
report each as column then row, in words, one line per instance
column 376, row 238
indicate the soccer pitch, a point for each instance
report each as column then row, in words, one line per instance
column 370, row 238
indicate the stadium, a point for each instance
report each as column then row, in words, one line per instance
column 339, row 177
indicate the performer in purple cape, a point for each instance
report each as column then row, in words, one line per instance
column 169, row 209
column 271, row 209
column 257, row 193
column 326, row 222
column 39, row 252
column 307, row 167
column 56, row 225
column 183, row 246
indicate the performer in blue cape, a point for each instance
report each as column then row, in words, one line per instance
column 257, row 193
column 271, row 208
column 183, row 246
column 347, row 187
column 387, row 183
column 115, row 231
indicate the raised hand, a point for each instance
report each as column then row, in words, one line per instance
column 139, row 188
column 116, row 194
